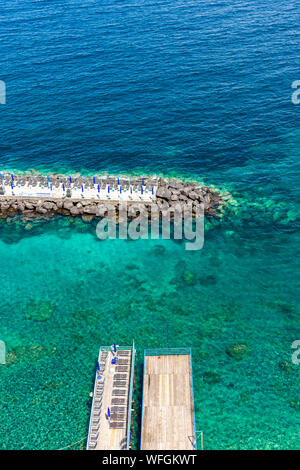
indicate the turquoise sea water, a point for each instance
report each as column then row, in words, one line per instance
column 194, row 89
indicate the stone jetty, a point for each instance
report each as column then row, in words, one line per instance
column 35, row 195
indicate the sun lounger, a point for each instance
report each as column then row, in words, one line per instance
column 122, row 368
column 123, row 362
column 118, row 393
column 118, row 416
column 117, row 424
column 118, row 409
column 123, row 353
column 118, row 401
column 120, row 383
column 120, row 376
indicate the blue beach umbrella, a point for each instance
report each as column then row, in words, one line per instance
column 82, row 188
column 143, row 182
column 108, row 412
column 108, row 189
column 118, row 180
column 130, row 189
column 94, row 180
column 142, row 190
column 98, row 188
column 12, row 177
column 51, row 187
column 70, row 179
column 98, row 366
column 48, row 178
column 99, row 377
column 115, row 348
column 63, row 187
column 114, row 360
column 12, row 186
column 120, row 189
column 152, row 190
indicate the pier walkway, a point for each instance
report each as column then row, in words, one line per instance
column 168, row 409
column 110, row 418
column 104, row 188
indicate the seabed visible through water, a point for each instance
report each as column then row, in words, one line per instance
column 67, row 292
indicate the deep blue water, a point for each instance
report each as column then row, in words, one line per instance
column 182, row 85
column 188, row 88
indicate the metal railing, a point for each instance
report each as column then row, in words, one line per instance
column 92, row 408
column 129, row 410
column 119, row 348
column 167, row 351
column 195, row 445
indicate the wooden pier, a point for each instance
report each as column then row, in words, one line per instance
column 110, row 418
column 168, row 409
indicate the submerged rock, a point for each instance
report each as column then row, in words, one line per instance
column 163, row 193
column 287, row 366
column 87, row 218
column 211, row 377
column 208, row 280
column 238, row 351
column 26, row 353
column 11, row 358
column 39, row 310
column 188, row 277
column 49, row 386
column 295, row 404
column 159, row 250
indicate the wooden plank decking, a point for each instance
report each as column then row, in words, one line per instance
column 110, row 433
column 168, row 417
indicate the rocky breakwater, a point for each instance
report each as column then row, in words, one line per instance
column 30, row 207
column 170, row 193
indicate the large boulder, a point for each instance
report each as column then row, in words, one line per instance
column 163, row 193
column 29, row 205
column 48, row 205
column 175, row 186
column 186, row 190
column 92, row 209
column 41, row 210
column 68, row 205
column 162, row 204
column 193, row 195
column 75, row 210
column 21, row 206
column 175, row 191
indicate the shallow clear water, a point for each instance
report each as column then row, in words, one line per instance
column 180, row 88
